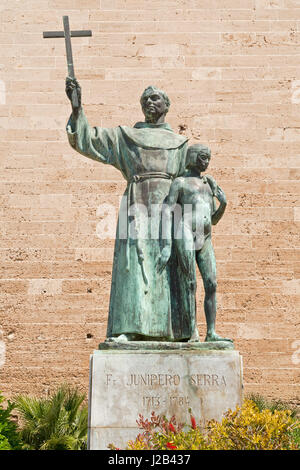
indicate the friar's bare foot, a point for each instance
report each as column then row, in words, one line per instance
column 195, row 338
column 210, row 337
column 124, row 338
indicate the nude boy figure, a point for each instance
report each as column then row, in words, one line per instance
column 192, row 237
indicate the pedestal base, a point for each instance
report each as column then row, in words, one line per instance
column 125, row 383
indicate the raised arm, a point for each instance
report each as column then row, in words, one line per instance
column 92, row 142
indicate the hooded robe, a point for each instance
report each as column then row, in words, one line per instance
column 149, row 157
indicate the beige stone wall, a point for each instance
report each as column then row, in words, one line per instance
column 232, row 71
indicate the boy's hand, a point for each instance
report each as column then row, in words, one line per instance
column 163, row 259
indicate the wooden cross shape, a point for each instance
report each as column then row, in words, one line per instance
column 67, row 34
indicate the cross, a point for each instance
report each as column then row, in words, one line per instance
column 67, row 34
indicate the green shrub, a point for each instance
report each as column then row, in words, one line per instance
column 9, row 437
column 296, row 436
column 246, row 428
column 250, row 428
column 55, row 423
column 279, row 405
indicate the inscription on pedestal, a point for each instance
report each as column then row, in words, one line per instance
column 166, row 379
column 151, row 381
column 126, row 384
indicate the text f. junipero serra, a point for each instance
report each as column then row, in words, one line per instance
column 154, row 380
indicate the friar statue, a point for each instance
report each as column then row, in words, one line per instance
column 144, row 304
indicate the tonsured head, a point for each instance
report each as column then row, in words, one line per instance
column 155, row 103
column 198, row 157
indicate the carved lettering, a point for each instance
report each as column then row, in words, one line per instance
column 153, row 379
column 181, row 401
column 176, row 379
column 165, row 380
column 207, row 380
column 108, row 378
column 156, row 401
column 215, row 380
column 223, row 381
column 193, row 380
column 153, row 402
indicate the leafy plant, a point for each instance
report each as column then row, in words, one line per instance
column 279, row 405
column 246, row 428
column 262, row 403
column 55, row 423
column 251, row 429
column 9, row 437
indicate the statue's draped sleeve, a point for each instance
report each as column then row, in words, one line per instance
column 96, row 143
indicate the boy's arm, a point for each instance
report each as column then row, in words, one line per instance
column 167, row 209
column 217, row 214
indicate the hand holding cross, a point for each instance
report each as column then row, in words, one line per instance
column 73, row 89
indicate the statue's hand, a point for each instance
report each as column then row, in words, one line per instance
column 72, row 85
column 163, row 259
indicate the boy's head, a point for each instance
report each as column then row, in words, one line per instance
column 198, row 157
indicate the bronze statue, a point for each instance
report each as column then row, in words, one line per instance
column 193, row 234
column 143, row 304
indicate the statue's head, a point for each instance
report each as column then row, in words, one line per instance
column 155, row 104
column 198, row 156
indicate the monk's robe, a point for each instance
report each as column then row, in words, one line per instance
column 149, row 156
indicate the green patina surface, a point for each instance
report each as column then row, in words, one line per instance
column 142, row 301
column 153, row 285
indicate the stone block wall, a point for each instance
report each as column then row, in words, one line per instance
column 231, row 69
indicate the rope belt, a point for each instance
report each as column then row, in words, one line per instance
column 131, row 199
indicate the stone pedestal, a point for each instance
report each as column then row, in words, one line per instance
column 169, row 380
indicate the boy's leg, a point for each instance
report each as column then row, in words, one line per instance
column 207, row 266
column 187, row 260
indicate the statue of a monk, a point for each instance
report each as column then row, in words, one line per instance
column 144, row 304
